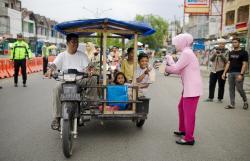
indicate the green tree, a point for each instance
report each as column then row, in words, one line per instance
column 110, row 41
column 156, row 40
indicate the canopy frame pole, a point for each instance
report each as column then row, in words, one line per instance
column 123, row 48
column 104, row 46
column 134, row 70
column 101, row 53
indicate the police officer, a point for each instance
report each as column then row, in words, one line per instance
column 45, row 55
column 19, row 53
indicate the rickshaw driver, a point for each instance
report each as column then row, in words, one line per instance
column 71, row 59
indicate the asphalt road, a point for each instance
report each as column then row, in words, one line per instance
column 25, row 134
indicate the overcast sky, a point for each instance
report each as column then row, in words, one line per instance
column 64, row 10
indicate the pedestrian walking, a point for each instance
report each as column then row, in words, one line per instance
column 236, row 67
column 219, row 60
column 45, row 55
column 188, row 68
column 19, row 54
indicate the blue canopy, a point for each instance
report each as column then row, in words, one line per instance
column 89, row 26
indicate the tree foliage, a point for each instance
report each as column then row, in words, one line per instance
column 110, row 41
column 156, row 40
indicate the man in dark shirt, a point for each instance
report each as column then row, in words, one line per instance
column 236, row 67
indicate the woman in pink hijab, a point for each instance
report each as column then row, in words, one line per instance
column 188, row 68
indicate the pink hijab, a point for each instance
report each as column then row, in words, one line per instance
column 182, row 41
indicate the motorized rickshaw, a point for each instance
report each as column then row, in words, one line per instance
column 75, row 107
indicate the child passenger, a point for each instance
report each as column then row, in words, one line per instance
column 120, row 79
column 145, row 75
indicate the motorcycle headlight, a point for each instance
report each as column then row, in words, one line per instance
column 69, row 77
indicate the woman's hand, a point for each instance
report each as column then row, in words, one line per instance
column 239, row 77
column 169, row 60
column 224, row 76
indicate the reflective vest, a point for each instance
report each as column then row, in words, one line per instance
column 45, row 51
column 20, row 50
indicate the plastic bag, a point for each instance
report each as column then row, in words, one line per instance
column 162, row 67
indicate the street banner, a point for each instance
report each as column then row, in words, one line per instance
column 197, row 7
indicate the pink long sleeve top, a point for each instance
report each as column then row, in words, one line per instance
column 187, row 67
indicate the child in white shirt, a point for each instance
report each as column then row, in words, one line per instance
column 145, row 75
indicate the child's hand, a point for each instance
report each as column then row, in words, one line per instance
column 147, row 71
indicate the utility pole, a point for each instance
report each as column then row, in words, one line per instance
column 175, row 26
column 183, row 18
column 219, row 14
column 97, row 13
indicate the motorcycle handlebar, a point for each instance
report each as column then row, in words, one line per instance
column 84, row 75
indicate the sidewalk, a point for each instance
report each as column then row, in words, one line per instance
column 205, row 72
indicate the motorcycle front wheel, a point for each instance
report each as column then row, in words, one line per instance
column 67, row 138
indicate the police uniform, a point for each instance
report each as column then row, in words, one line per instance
column 45, row 54
column 19, row 53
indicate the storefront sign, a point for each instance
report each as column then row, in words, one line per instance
column 229, row 29
column 197, row 2
column 242, row 26
column 197, row 7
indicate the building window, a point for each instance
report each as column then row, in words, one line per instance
column 18, row 5
column 39, row 30
column 42, row 31
column 5, row 25
column 31, row 28
column 7, row 5
column 243, row 14
column 230, row 18
column 23, row 26
column 12, row 5
column 52, row 31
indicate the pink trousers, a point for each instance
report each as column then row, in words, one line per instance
column 187, row 109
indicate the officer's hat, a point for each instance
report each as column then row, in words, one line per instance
column 19, row 35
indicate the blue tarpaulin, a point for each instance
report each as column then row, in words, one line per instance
column 141, row 28
column 117, row 93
